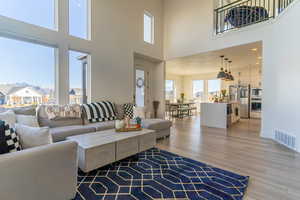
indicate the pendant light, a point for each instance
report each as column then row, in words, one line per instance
column 227, row 76
column 221, row 74
column 231, row 78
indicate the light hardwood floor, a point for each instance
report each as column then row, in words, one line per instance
column 273, row 169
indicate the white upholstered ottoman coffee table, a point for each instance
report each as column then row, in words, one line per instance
column 98, row 149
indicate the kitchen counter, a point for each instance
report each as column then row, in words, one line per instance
column 219, row 115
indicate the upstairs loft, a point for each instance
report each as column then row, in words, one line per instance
column 231, row 15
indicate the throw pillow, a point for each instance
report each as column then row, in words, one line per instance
column 9, row 140
column 9, row 117
column 63, row 111
column 27, row 120
column 100, row 111
column 33, row 136
column 128, row 110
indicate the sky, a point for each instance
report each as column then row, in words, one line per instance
column 24, row 62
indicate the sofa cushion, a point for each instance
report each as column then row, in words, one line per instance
column 156, row 124
column 27, row 120
column 102, row 126
column 28, row 110
column 61, row 133
column 33, row 136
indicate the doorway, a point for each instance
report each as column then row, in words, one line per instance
column 142, row 87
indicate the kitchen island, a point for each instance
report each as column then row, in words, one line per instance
column 219, row 115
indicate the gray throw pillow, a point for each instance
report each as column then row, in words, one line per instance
column 33, row 136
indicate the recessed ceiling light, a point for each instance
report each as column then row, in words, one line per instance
column 259, row 57
column 257, row 63
column 254, row 49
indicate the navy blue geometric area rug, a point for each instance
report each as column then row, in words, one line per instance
column 158, row 174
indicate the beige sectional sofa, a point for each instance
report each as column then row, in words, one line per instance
column 50, row 172
column 63, row 128
column 47, row 172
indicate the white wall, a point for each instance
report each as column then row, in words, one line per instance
column 189, row 30
column 281, row 76
column 117, row 32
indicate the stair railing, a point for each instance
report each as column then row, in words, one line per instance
column 242, row 13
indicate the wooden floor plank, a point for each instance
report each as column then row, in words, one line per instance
column 273, row 169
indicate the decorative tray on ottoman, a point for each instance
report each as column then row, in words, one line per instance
column 130, row 129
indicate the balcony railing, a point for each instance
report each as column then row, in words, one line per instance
column 243, row 13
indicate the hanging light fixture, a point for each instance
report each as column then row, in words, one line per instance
column 227, row 76
column 231, row 78
column 221, row 74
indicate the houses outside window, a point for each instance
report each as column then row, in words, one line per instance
column 148, row 28
column 28, row 73
column 35, row 68
column 78, row 67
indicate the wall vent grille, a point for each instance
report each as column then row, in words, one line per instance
column 286, row 139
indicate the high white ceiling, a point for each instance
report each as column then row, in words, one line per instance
column 210, row 62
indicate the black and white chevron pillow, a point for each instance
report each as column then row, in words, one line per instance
column 128, row 110
column 9, row 140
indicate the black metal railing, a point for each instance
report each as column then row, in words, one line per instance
column 283, row 4
column 243, row 13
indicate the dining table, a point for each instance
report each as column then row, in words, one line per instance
column 181, row 109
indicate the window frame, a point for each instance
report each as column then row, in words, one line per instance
column 88, row 73
column 152, row 17
column 55, row 20
column 88, row 22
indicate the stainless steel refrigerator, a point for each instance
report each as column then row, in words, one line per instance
column 241, row 94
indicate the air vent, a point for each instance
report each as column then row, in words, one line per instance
column 286, row 139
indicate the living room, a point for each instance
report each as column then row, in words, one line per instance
column 82, row 103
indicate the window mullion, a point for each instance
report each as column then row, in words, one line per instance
column 62, row 75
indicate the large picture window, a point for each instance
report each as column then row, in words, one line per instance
column 214, row 88
column 170, row 89
column 40, row 13
column 79, row 18
column 198, row 89
column 27, row 74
